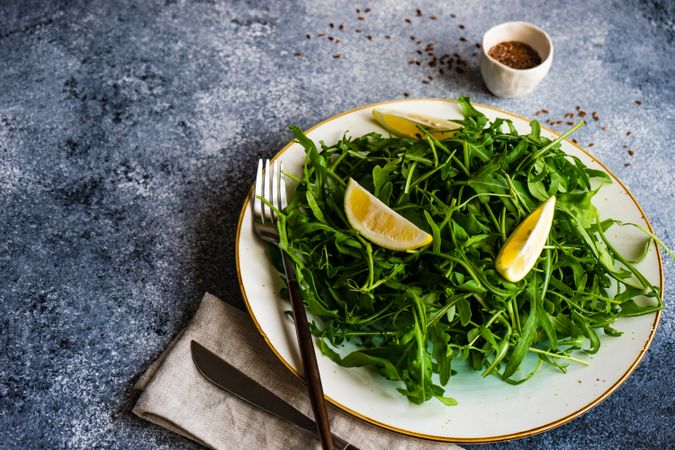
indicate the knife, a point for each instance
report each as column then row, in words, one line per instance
column 227, row 377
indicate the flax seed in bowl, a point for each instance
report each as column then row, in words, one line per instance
column 515, row 57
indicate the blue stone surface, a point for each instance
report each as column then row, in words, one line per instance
column 129, row 131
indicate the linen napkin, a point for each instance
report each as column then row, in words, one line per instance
column 177, row 397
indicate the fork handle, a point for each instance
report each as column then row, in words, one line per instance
column 308, row 356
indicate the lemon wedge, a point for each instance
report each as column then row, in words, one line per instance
column 522, row 249
column 380, row 224
column 405, row 124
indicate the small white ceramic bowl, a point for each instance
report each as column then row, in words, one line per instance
column 502, row 80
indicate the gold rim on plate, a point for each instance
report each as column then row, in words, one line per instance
column 521, row 434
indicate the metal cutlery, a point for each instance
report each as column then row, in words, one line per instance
column 227, row 377
column 270, row 186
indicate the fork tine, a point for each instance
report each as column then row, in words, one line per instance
column 257, row 204
column 276, row 175
column 267, row 212
column 282, row 187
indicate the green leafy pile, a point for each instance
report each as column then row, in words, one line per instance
column 414, row 314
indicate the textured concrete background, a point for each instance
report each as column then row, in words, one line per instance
column 128, row 136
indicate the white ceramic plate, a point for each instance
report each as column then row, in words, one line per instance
column 489, row 409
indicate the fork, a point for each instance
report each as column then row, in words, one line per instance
column 270, row 185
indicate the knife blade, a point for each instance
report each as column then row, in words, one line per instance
column 229, row 378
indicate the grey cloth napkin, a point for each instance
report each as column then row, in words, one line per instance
column 177, row 397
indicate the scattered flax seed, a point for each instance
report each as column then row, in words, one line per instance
column 358, row 11
column 361, row 18
column 332, row 25
column 411, row 61
column 309, row 36
column 337, row 56
column 477, row 45
column 405, row 94
column 626, row 164
column 595, row 115
column 418, row 42
column 408, row 21
column 628, row 133
column 569, row 115
column 367, row 10
column 638, row 102
column 545, row 111
column 337, row 41
column 357, row 30
column 474, row 54
column 321, row 34
column 575, row 141
column 631, row 152
column 418, row 63
column 425, row 82
column 341, row 27
column 330, row 38
column 591, row 145
column 461, row 27
column 370, row 37
column 578, row 108
column 582, row 113
column 463, row 39
column 419, row 12
column 604, row 128
column 297, row 54
column 419, row 52
column 386, row 36
column 430, row 77
column 433, row 17
column 453, row 16
column 569, row 122
column 558, row 122
column 412, row 38
column 537, row 113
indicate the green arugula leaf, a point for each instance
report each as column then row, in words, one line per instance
column 414, row 315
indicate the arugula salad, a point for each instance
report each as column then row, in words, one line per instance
column 413, row 315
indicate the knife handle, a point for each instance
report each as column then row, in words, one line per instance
column 308, row 356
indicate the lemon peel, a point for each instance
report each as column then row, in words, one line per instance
column 380, row 224
column 521, row 250
column 405, row 124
